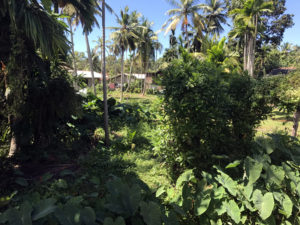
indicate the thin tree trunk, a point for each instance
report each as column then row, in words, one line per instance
column 187, row 35
column 122, row 74
column 73, row 53
column 13, row 146
column 245, row 51
column 104, row 77
column 55, row 3
column 251, row 57
column 130, row 73
column 296, row 122
column 90, row 61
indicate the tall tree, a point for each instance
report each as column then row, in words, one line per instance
column 146, row 46
column 215, row 15
column 88, row 49
column 26, row 28
column 124, row 36
column 106, row 129
column 185, row 13
column 247, row 21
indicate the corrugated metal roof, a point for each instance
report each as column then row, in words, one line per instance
column 88, row 74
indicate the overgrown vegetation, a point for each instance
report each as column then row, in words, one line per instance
column 187, row 153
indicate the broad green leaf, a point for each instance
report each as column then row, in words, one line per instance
column 227, row 182
column 202, row 204
column 13, row 217
column 151, row 213
column 88, row 216
column 298, row 189
column 285, row 203
column 185, row 177
column 25, row 211
column 21, row 181
column 247, row 191
column 253, row 169
column 264, row 203
column 110, row 221
column 43, row 208
column 275, row 174
column 171, row 219
column 233, row 164
column 219, row 222
column 160, row 191
column 233, row 210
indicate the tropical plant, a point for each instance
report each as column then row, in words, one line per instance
column 215, row 16
column 146, row 46
column 124, row 36
column 106, row 128
column 247, row 24
column 210, row 112
column 259, row 189
column 186, row 12
column 26, row 28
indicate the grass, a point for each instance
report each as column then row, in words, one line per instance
column 276, row 122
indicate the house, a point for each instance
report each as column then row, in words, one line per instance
column 87, row 75
column 282, row 70
column 150, row 79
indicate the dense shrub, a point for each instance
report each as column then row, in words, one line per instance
column 259, row 189
column 212, row 115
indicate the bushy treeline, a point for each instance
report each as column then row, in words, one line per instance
column 212, row 114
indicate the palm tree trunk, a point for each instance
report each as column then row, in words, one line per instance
column 187, row 35
column 296, row 122
column 245, row 51
column 130, row 73
column 104, row 77
column 73, row 53
column 90, row 61
column 251, row 56
column 55, row 3
column 122, row 74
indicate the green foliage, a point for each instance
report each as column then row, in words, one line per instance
column 211, row 114
column 260, row 192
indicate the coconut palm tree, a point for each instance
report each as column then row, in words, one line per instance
column 104, row 76
column 185, row 13
column 147, row 44
column 246, row 21
column 214, row 15
column 29, row 34
column 124, row 37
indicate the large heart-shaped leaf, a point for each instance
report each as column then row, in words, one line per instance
column 43, row 208
column 275, row 174
column 285, row 203
column 264, row 203
column 202, row 204
column 233, row 211
column 151, row 213
column 253, row 169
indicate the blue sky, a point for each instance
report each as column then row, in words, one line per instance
column 154, row 10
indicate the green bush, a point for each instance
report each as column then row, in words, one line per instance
column 254, row 190
column 212, row 115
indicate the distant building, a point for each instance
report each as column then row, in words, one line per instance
column 282, row 70
column 150, row 79
column 87, row 75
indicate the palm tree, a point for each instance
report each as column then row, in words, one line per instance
column 246, row 22
column 104, row 76
column 146, row 46
column 215, row 16
column 185, row 12
column 26, row 28
column 124, row 37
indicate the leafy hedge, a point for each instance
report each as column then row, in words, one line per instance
column 211, row 113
